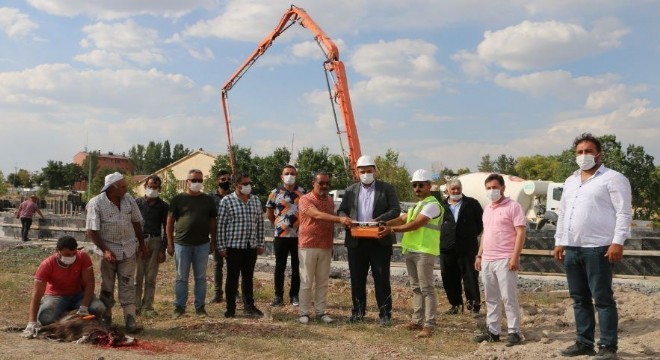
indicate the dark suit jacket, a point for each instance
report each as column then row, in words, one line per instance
column 386, row 207
column 462, row 235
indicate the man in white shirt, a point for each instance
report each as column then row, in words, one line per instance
column 594, row 222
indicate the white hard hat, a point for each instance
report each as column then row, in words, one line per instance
column 365, row 160
column 421, row 175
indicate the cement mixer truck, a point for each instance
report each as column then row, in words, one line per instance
column 539, row 198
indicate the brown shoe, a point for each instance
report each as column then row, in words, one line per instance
column 413, row 326
column 425, row 333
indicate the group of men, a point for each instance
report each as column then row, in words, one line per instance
column 594, row 220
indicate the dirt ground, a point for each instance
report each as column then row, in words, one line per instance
column 548, row 327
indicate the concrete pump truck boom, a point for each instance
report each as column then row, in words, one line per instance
column 332, row 65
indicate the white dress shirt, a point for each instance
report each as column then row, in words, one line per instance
column 596, row 212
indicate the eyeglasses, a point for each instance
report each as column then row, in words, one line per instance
column 418, row 185
column 196, row 180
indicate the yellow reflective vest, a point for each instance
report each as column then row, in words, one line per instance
column 426, row 239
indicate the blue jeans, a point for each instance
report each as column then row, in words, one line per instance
column 53, row 307
column 589, row 275
column 198, row 257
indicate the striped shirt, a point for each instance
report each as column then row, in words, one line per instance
column 114, row 225
column 240, row 224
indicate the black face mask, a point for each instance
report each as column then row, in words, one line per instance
column 224, row 185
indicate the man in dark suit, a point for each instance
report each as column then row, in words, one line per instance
column 459, row 245
column 370, row 200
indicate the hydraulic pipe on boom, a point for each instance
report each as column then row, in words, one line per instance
column 332, row 65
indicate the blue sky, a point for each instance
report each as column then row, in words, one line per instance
column 441, row 82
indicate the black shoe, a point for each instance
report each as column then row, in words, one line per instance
column 201, row 312
column 230, row 313
column 277, row 301
column 606, row 353
column 454, row 310
column 487, row 337
column 578, row 349
column 131, row 325
column 355, row 318
column 253, row 311
column 295, row 301
column 218, row 298
column 385, row 321
column 178, row 312
column 513, row 339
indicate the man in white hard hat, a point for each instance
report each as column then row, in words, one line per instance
column 113, row 223
column 367, row 201
column 421, row 247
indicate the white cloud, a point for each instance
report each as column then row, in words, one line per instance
column 396, row 70
column 204, row 55
column 16, row 24
column 557, row 83
column 62, row 88
column 244, row 21
column 114, row 9
column 531, row 45
column 119, row 42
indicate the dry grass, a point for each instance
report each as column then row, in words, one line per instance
column 277, row 336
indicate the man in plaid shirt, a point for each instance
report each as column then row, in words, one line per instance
column 113, row 223
column 240, row 239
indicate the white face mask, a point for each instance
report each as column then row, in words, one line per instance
column 246, row 189
column 455, row 197
column 586, row 161
column 289, row 179
column 151, row 193
column 196, row 187
column 67, row 260
column 367, row 178
column 493, row 194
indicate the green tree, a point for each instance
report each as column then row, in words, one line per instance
column 340, row 178
column 270, row 168
column 3, row 184
column 91, row 163
column 395, row 173
column 179, row 152
column 72, row 173
column 152, row 157
column 136, row 154
column 538, row 167
column 54, row 172
column 641, row 172
column 21, row 178
column 169, row 186
column 486, row 164
column 505, row 165
column 166, row 155
column 310, row 161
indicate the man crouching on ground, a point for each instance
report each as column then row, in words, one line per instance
column 64, row 281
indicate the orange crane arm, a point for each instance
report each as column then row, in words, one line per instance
column 332, row 65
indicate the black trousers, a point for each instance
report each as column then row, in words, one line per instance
column 454, row 268
column 219, row 262
column 284, row 246
column 240, row 262
column 26, row 222
column 369, row 253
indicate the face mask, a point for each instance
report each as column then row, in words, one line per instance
column 224, row 185
column 67, row 260
column 151, row 193
column 455, row 197
column 289, row 179
column 367, row 178
column 493, row 194
column 585, row 162
column 246, row 189
column 196, row 187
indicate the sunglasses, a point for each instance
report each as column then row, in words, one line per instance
column 418, row 185
column 196, row 180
